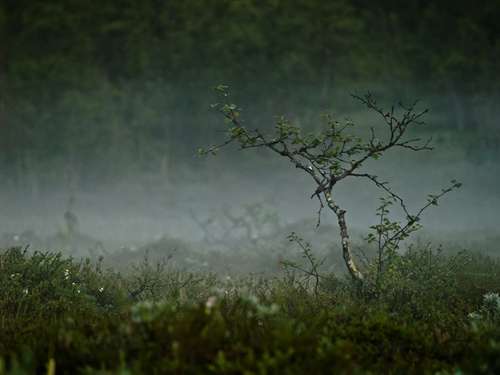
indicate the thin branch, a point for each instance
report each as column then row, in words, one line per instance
column 334, row 155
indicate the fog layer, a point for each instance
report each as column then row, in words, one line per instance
column 136, row 214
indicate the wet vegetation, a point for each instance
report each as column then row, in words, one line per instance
column 120, row 253
column 432, row 313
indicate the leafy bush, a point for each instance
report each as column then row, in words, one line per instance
column 78, row 318
column 39, row 289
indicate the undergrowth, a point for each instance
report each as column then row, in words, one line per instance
column 431, row 313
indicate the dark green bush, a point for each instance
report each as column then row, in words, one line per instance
column 37, row 290
column 65, row 316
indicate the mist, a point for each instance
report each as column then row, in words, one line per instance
column 149, row 222
column 102, row 110
column 252, row 199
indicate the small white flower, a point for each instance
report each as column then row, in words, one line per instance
column 211, row 302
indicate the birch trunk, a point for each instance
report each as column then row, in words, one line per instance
column 345, row 237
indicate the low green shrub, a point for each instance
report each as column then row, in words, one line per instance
column 37, row 290
column 430, row 315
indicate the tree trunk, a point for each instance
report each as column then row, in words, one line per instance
column 358, row 276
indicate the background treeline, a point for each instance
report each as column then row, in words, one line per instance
column 120, row 84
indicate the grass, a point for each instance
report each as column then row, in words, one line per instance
column 68, row 316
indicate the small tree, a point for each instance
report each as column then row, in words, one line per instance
column 333, row 155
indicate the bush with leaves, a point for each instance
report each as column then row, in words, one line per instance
column 418, row 325
column 36, row 290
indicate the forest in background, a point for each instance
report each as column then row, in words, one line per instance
column 95, row 90
column 99, row 93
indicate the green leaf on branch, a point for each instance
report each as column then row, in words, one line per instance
column 333, row 155
column 220, row 87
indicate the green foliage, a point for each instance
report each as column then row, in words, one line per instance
column 485, row 323
column 417, row 282
column 419, row 323
column 490, row 310
column 119, row 81
column 307, row 254
column 388, row 234
column 44, row 287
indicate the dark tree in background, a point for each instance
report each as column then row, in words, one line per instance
column 113, row 83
